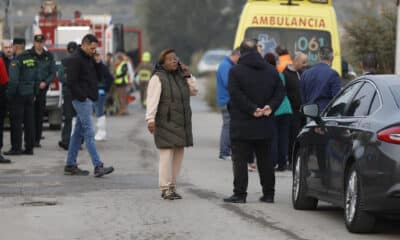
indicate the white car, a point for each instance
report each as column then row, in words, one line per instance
column 53, row 95
column 211, row 59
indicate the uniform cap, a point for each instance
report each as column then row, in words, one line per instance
column 19, row 41
column 38, row 38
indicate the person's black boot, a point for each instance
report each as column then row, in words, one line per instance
column 4, row 160
column 74, row 170
column 267, row 198
column 13, row 152
column 100, row 171
column 27, row 152
column 63, row 145
column 235, row 199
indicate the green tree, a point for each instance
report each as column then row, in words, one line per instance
column 372, row 29
column 190, row 26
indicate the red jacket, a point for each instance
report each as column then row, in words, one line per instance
column 3, row 73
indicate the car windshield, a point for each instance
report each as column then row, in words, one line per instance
column 307, row 41
column 213, row 58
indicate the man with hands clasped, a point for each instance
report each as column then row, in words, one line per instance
column 256, row 91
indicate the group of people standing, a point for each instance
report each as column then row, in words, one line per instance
column 260, row 98
column 25, row 79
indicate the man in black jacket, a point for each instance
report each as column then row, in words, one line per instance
column 82, row 76
column 256, row 92
column 292, row 75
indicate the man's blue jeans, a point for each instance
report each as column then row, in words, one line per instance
column 225, row 140
column 83, row 129
column 99, row 105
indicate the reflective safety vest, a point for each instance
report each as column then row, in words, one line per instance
column 124, row 79
column 144, row 75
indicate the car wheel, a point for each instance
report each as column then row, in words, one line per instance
column 300, row 200
column 357, row 220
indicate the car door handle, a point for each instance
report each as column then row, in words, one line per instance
column 331, row 123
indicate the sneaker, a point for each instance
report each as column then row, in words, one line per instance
column 101, row 171
column 225, row 158
column 4, row 160
column 174, row 194
column 167, row 195
column 74, row 170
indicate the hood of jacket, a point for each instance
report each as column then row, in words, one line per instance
column 253, row 60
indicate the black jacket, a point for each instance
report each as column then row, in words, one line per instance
column 83, row 74
column 253, row 84
column 293, row 87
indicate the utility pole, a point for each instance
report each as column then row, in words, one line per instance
column 6, row 21
column 397, row 60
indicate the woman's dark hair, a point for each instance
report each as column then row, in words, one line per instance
column 281, row 51
column 270, row 58
column 164, row 53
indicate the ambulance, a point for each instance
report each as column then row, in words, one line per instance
column 297, row 25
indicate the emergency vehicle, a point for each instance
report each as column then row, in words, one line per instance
column 298, row 25
column 59, row 31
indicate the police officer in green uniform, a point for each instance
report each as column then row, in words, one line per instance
column 46, row 72
column 20, row 94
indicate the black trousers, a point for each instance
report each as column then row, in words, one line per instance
column 242, row 152
column 3, row 111
column 40, row 107
column 21, row 112
column 69, row 113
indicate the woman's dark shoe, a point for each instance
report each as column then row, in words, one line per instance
column 235, row 199
column 176, row 195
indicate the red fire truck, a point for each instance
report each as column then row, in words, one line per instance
column 59, row 31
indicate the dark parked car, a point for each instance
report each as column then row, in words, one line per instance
column 349, row 155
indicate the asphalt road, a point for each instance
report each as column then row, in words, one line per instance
column 38, row 202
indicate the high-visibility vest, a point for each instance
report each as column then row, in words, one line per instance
column 118, row 71
column 144, row 74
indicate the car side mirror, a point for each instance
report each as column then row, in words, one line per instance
column 310, row 110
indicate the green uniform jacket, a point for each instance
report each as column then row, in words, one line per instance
column 46, row 67
column 27, row 70
column 174, row 115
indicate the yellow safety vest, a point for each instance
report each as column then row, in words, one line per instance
column 118, row 71
column 144, row 75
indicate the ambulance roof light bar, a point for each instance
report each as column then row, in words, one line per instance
column 291, row 2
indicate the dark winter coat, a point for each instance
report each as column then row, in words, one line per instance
column 174, row 115
column 82, row 76
column 293, row 87
column 253, row 84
